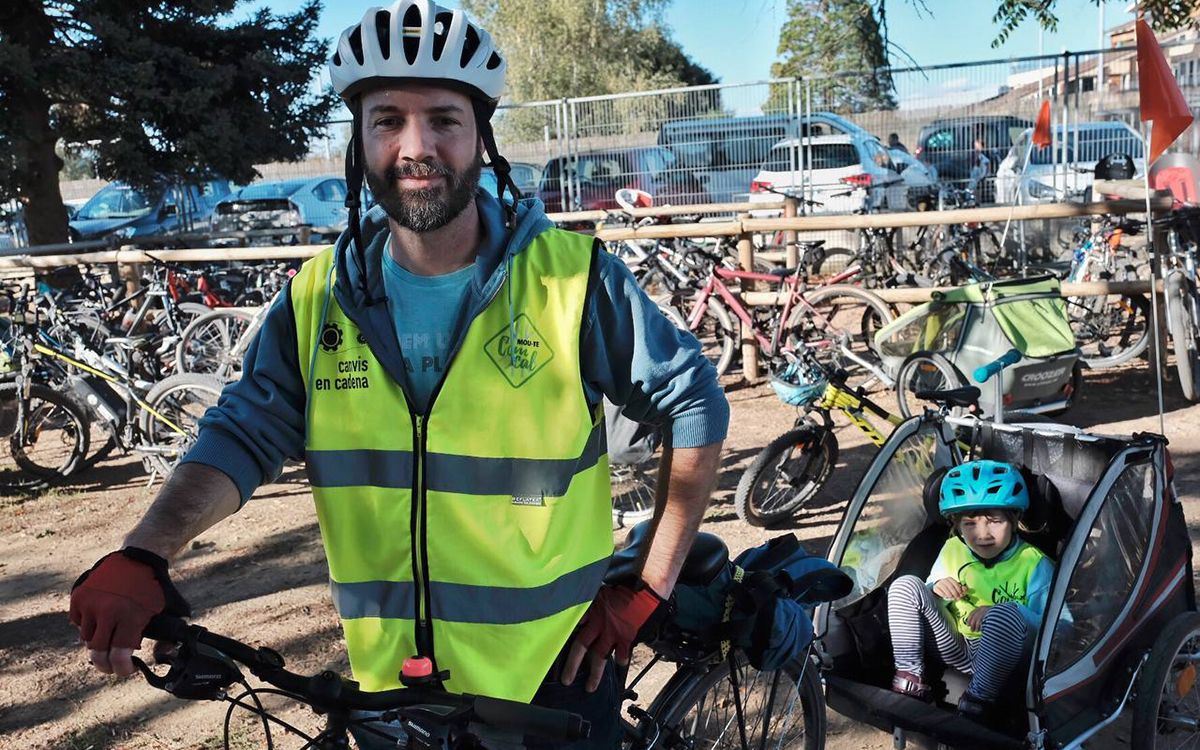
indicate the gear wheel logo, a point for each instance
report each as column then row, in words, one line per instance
column 331, row 337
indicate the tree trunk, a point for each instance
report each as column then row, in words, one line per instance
column 37, row 169
column 24, row 23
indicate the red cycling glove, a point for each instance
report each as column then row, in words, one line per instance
column 112, row 603
column 615, row 619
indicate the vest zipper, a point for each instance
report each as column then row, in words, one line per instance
column 423, row 635
column 420, row 546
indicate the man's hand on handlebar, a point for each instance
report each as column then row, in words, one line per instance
column 113, row 601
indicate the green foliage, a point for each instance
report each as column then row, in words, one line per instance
column 1166, row 14
column 840, row 44
column 174, row 87
column 572, row 48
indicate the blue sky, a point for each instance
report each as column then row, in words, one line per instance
column 736, row 39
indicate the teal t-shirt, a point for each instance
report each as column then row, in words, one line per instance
column 425, row 311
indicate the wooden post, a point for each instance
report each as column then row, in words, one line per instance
column 745, row 246
column 789, row 236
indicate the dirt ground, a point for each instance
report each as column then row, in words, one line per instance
column 260, row 576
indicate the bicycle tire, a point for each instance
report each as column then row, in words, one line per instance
column 49, row 446
column 209, row 343
column 717, row 335
column 786, row 474
column 837, row 316
column 633, row 492
column 1111, row 334
column 686, row 704
column 1158, row 704
column 832, row 261
column 182, row 399
column 925, row 371
column 1183, row 310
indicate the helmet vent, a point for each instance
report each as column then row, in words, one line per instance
column 1018, row 488
column 958, row 491
column 470, row 44
column 337, row 59
column 493, row 61
column 975, row 472
column 412, row 33
column 356, row 47
column 993, row 489
column 383, row 31
column 441, row 29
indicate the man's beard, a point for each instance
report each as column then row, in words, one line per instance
column 424, row 209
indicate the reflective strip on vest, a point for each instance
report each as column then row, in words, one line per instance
column 511, row 465
column 1006, row 581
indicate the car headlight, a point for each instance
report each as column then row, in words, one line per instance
column 1041, row 190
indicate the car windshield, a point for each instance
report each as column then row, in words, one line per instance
column 119, row 202
column 1093, row 145
column 824, row 156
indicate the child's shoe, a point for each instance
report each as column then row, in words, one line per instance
column 907, row 683
column 977, row 709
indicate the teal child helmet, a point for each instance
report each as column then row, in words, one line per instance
column 983, row 484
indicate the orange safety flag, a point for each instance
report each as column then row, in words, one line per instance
column 1159, row 94
column 1041, row 128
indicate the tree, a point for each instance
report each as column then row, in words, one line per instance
column 840, row 43
column 1167, row 14
column 173, row 88
column 572, row 48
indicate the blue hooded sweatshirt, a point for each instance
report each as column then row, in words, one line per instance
column 631, row 353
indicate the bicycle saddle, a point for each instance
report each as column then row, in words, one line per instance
column 783, row 273
column 966, row 395
column 707, row 557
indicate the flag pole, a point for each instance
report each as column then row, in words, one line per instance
column 1155, row 272
column 1016, row 201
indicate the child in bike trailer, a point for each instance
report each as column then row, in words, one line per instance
column 983, row 598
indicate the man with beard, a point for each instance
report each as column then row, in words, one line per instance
column 441, row 370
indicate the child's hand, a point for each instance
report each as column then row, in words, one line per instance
column 949, row 589
column 975, row 617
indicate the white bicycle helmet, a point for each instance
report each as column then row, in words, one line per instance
column 421, row 40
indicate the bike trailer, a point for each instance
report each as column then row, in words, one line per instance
column 974, row 324
column 1120, row 634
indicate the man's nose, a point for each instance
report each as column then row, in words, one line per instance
column 417, row 142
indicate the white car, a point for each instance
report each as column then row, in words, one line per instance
column 1086, row 144
column 848, row 173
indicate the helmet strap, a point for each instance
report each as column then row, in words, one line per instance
column 354, row 185
column 499, row 165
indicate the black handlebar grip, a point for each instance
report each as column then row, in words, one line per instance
column 166, row 628
column 547, row 723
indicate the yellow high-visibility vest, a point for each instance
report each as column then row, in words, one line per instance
column 477, row 533
column 1006, row 581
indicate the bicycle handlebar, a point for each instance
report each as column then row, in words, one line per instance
column 1010, row 357
column 327, row 690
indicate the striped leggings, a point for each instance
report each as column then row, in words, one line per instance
column 915, row 618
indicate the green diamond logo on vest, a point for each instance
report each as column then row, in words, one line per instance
column 520, row 359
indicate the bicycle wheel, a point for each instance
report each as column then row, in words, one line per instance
column 1167, row 707
column 781, row 709
column 785, row 475
column 169, row 430
column 925, row 371
column 209, row 345
column 838, row 324
column 48, row 444
column 1109, row 329
column 633, row 487
column 832, row 260
column 717, row 335
column 1183, row 310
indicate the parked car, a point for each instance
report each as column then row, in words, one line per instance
column 317, row 203
column 948, row 146
column 1084, row 144
column 122, row 210
column 525, row 175
column 726, row 152
column 596, row 176
column 848, row 173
